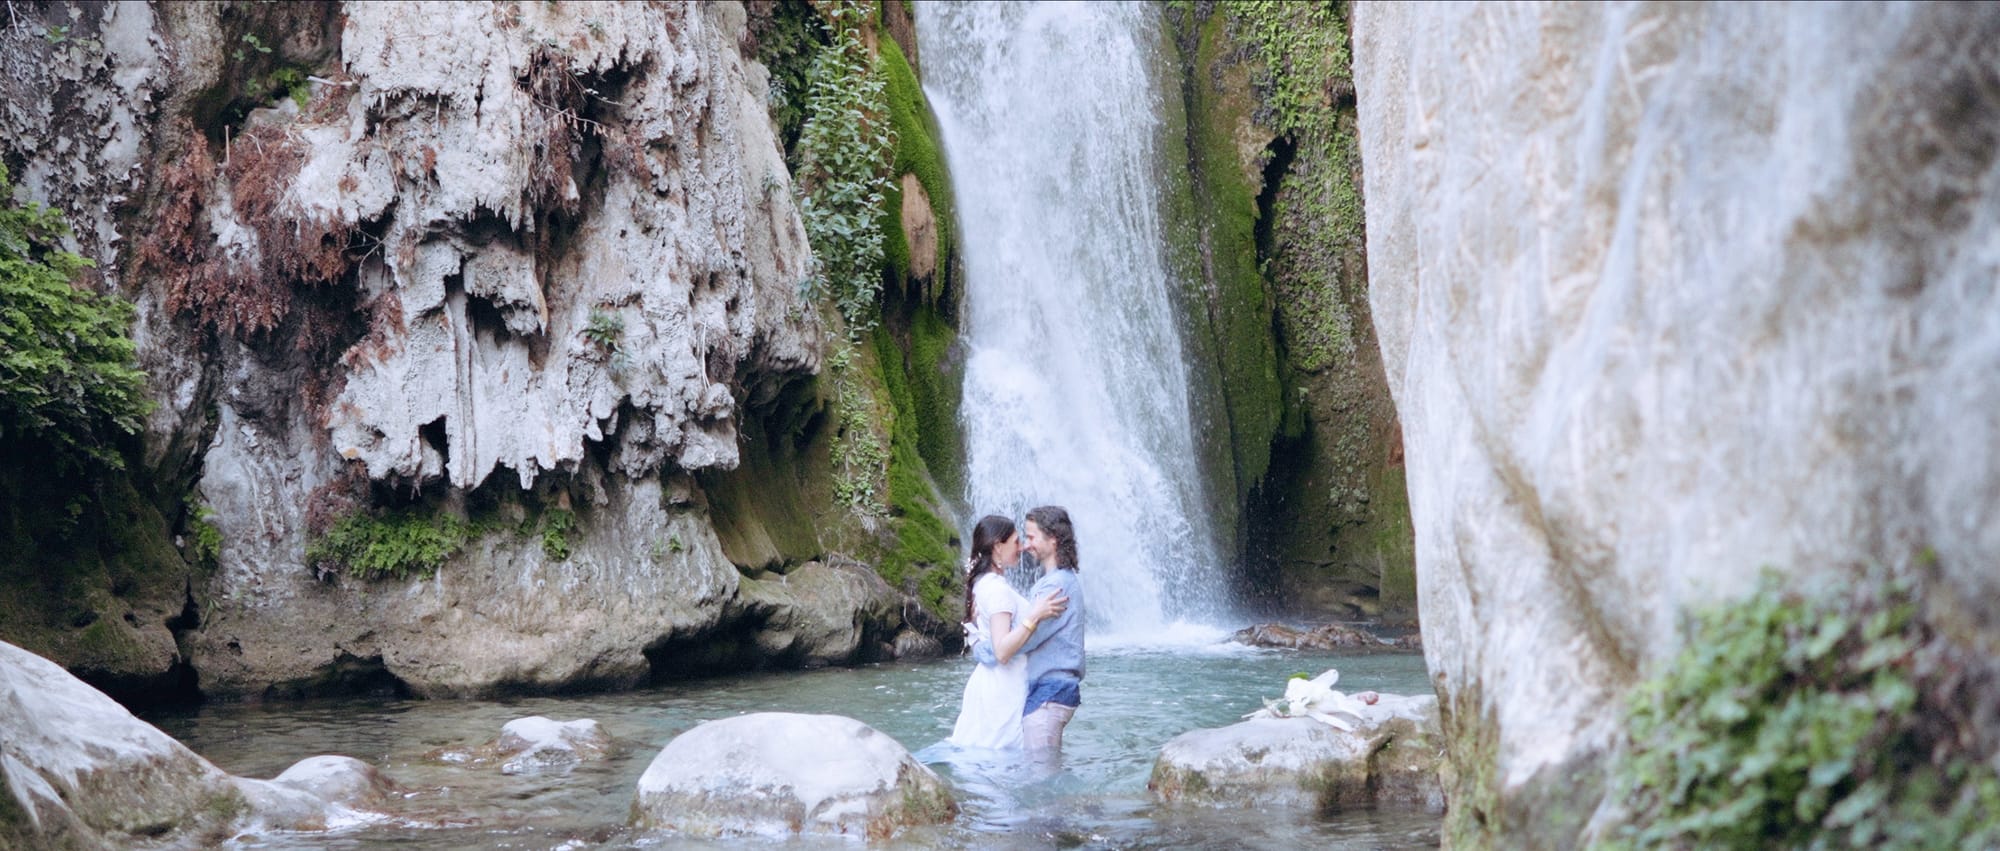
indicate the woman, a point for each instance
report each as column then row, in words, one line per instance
column 990, row 716
column 1055, row 666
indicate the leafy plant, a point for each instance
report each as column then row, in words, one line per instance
column 68, row 372
column 859, row 458
column 256, row 44
column 605, row 330
column 845, row 148
column 1834, row 720
column 557, row 523
column 395, row 545
column 207, row 536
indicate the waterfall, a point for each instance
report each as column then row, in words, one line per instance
column 1076, row 391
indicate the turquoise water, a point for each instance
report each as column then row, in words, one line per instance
column 1134, row 701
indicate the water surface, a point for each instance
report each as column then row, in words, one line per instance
column 1134, row 701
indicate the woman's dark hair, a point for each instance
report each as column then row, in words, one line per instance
column 1054, row 522
column 992, row 529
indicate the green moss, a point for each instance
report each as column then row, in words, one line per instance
column 936, row 388
column 923, row 557
column 396, row 544
column 917, row 152
column 79, row 555
column 1241, row 307
column 1394, row 538
column 760, row 509
column 1831, row 718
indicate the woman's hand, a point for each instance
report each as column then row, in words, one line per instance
column 1047, row 607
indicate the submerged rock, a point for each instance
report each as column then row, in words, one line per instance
column 1392, row 757
column 781, row 773
column 79, row 771
column 316, row 793
column 533, row 745
column 1330, row 636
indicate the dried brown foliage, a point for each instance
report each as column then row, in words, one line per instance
column 339, row 497
column 558, row 140
column 176, row 248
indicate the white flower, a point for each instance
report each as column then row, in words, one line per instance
column 1314, row 698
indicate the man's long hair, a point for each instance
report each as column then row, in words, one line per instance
column 1054, row 522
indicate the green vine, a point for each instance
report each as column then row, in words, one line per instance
column 859, row 459
column 1839, row 719
column 845, row 149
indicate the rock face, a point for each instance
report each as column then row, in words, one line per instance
column 777, row 774
column 1392, row 757
column 530, row 309
column 1667, row 293
column 78, row 771
column 538, row 268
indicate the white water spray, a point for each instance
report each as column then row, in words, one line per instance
column 1076, row 392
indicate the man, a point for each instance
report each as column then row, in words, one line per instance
column 1055, row 650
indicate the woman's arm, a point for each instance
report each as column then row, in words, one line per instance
column 1008, row 638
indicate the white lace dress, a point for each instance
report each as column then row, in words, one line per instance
column 990, row 716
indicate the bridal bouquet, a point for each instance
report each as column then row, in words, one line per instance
column 1316, row 698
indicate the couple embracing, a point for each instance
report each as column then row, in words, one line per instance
column 1030, row 673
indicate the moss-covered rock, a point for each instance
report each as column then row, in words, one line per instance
column 1269, row 235
column 1391, row 758
column 94, row 580
column 1829, row 717
column 918, row 155
column 1229, row 306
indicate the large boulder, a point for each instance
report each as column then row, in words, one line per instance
column 1392, row 757
column 79, row 771
column 779, row 773
column 1666, row 293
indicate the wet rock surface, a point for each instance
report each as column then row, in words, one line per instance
column 1331, row 636
column 778, row 774
column 534, row 745
column 79, row 771
column 1392, row 758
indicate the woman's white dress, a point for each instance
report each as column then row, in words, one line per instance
column 990, row 716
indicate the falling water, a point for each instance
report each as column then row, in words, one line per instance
column 1076, row 392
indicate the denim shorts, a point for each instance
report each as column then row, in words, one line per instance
column 1065, row 691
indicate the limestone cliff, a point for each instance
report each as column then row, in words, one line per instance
column 504, row 288
column 1668, row 293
